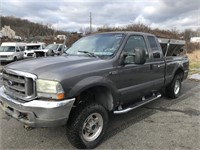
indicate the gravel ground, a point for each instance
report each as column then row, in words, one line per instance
column 162, row 124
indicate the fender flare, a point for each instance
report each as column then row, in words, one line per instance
column 90, row 82
column 178, row 69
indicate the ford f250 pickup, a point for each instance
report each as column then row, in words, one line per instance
column 107, row 72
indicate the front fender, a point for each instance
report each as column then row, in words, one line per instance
column 90, row 82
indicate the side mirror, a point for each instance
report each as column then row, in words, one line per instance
column 122, row 59
column 17, row 50
column 140, row 56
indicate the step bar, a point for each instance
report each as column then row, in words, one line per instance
column 143, row 102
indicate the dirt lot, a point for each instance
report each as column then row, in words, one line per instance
column 162, row 124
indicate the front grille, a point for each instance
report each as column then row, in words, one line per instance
column 30, row 54
column 40, row 54
column 4, row 56
column 19, row 85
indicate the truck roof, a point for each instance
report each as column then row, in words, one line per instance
column 128, row 32
column 30, row 44
column 13, row 44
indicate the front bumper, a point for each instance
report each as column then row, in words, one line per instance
column 8, row 59
column 28, row 55
column 37, row 113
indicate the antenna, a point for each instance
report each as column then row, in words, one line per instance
column 90, row 22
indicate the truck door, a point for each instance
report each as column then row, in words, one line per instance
column 156, row 61
column 136, row 80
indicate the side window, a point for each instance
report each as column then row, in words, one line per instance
column 152, row 43
column 154, row 47
column 60, row 48
column 18, row 49
column 22, row 48
column 11, row 49
column 134, row 41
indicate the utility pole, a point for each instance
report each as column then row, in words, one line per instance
column 90, row 22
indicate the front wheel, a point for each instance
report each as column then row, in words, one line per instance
column 174, row 88
column 15, row 59
column 87, row 126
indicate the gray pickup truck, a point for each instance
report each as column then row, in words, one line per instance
column 108, row 72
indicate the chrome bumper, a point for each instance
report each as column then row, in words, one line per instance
column 37, row 113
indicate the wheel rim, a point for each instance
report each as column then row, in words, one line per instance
column 177, row 87
column 92, row 127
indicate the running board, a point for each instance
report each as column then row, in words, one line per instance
column 143, row 102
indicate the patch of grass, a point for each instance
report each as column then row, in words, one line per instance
column 194, row 59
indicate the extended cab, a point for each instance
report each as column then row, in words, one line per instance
column 108, row 72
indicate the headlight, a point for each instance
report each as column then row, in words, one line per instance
column 10, row 56
column 49, row 89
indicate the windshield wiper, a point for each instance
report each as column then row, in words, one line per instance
column 88, row 53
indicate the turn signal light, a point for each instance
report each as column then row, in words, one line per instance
column 60, row 96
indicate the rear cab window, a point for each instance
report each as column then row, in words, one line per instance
column 156, row 53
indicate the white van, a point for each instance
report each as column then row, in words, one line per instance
column 31, row 48
column 11, row 51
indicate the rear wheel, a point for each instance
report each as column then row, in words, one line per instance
column 87, row 125
column 174, row 88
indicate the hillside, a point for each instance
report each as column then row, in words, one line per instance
column 25, row 28
column 30, row 30
column 143, row 28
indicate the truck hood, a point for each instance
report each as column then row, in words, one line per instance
column 6, row 53
column 42, row 50
column 29, row 51
column 58, row 67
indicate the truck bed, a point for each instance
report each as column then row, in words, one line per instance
column 171, row 47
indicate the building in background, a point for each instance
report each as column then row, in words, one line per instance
column 195, row 39
column 8, row 32
column 61, row 37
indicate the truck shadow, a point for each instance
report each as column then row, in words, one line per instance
column 118, row 123
column 55, row 138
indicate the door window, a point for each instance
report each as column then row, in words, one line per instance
column 134, row 42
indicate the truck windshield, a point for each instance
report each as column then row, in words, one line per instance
column 52, row 46
column 33, row 47
column 99, row 45
column 7, row 49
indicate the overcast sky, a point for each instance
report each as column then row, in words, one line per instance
column 71, row 15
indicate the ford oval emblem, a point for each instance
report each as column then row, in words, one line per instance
column 10, row 83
